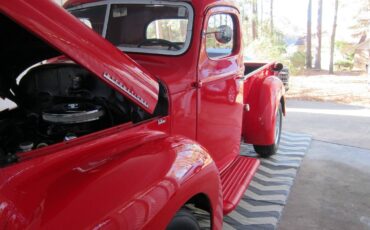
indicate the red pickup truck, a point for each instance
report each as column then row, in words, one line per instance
column 133, row 123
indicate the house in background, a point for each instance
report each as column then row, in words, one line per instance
column 298, row 44
column 295, row 44
column 362, row 53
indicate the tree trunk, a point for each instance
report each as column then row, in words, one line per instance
column 332, row 43
column 272, row 16
column 319, row 29
column 254, row 20
column 260, row 17
column 309, row 36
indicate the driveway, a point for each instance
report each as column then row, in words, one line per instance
column 332, row 189
column 330, row 122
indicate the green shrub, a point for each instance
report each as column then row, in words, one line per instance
column 297, row 62
column 344, row 65
column 267, row 47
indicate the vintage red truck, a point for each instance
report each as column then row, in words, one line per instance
column 134, row 124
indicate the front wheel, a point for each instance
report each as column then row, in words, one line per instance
column 184, row 220
column 269, row 150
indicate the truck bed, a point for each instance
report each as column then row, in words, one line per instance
column 253, row 67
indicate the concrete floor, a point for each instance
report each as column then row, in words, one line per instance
column 332, row 189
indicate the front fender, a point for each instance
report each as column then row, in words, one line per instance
column 136, row 182
column 193, row 172
column 264, row 100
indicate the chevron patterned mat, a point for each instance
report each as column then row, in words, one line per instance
column 263, row 202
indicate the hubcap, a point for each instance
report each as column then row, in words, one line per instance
column 277, row 127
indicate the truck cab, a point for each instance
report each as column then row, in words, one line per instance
column 202, row 56
column 138, row 105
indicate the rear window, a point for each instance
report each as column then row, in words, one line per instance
column 92, row 16
column 173, row 30
column 150, row 28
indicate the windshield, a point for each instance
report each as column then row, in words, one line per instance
column 141, row 28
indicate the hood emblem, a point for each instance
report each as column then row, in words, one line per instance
column 161, row 121
column 125, row 89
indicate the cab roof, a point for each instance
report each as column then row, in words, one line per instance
column 198, row 4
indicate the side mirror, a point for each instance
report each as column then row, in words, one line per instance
column 277, row 67
column 224, row 34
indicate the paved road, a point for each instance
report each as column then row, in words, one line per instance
column 332, row 189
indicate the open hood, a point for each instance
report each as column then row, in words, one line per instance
column 35, row 30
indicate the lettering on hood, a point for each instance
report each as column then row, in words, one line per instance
column 126, row 89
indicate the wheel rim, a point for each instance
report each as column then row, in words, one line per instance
column 277, row 126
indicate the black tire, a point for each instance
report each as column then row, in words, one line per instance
column 266, row 151
column 184, row 220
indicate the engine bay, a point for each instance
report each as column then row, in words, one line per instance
column 60, row 102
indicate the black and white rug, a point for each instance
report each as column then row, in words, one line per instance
column 263, row 202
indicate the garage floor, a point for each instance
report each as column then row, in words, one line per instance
column 332, row 189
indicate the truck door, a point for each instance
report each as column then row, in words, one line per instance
column 219, row 97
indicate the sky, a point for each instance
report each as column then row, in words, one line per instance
column 291, row 16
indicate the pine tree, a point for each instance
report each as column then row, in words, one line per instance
column 272, row 16
column 255, row 20
column 332, row 43
column 319, row 38
column 309, row 36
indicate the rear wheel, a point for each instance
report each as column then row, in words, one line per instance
column 269, row 150
column 184, row 220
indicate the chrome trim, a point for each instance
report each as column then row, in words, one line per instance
column 75, row 118
column 126, row 89
column 277, row 126
column 105, row 27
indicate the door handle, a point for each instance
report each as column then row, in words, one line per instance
column 197, row 84
column 240, row 77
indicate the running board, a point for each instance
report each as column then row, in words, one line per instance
column 235, row 180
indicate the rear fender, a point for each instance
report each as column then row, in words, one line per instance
column 264, row 99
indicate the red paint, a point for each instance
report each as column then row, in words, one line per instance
column 231, row 197
column 218, row 113
column 138, row 175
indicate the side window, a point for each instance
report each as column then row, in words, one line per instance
column 220, row 36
